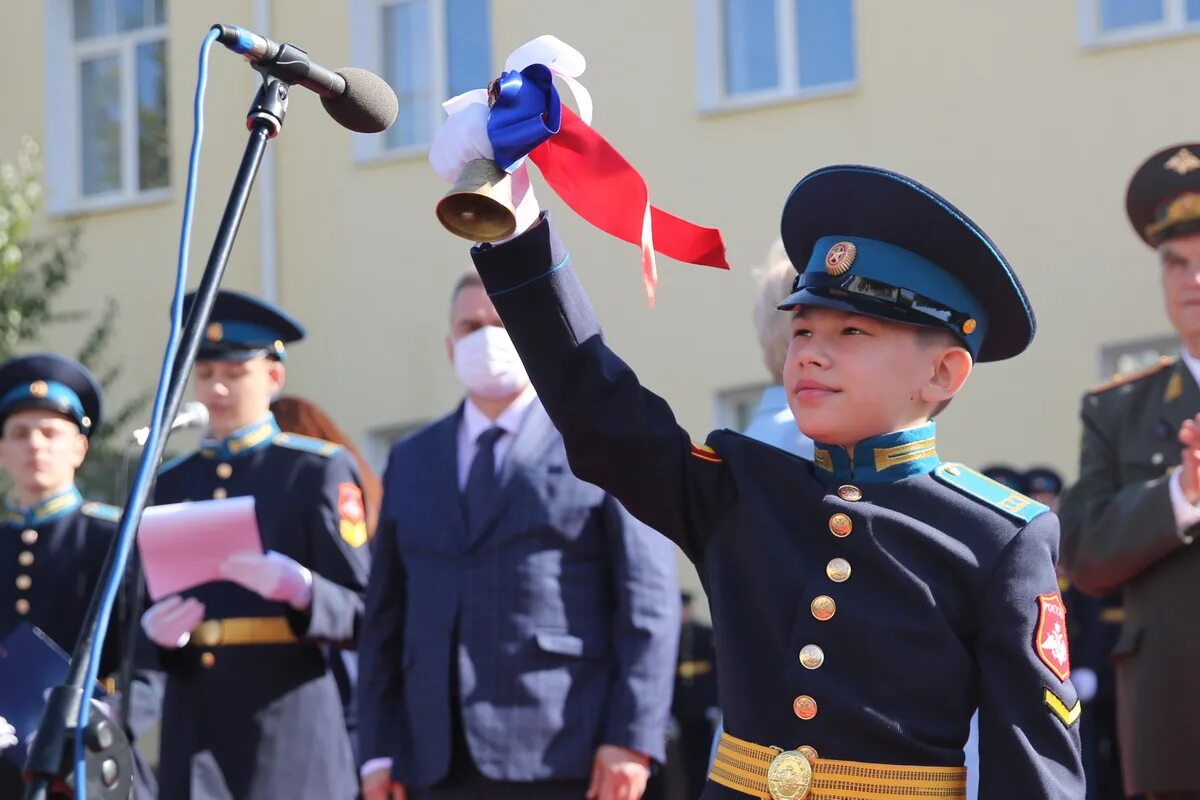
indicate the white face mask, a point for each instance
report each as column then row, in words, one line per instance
column 486, row 362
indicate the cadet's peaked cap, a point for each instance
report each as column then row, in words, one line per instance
column 1009, row 476
column 877, row 243
column 1163, row 198
column 242, row 327
column 1043, row 479
column 50, row 381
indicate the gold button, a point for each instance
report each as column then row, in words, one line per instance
column 25, row 559
column 805, row 707
column 224, row 470
column 840, row 525
column 809, row 753
column 29, row 536
column 219, row 493
column 838, row 570
column 24, row 582
column 823, row 607
column 22, row 606
column 851, row 494
column 811, row 656
column 207, row 660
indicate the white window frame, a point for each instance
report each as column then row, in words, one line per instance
column 1130, row 355
column 710, row 59
column 64, row 169
column 728, row 400
column 366, row 37
column 1174, row 25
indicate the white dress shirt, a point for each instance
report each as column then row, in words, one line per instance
column 474, row 422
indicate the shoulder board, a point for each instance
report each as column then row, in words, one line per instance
column 307, row 444
column 101, row 511
column 1137, row 375
column 989, row 492
column 175, row 462
column 705, row 453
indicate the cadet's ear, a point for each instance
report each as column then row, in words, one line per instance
column 81, row 450
column 276, row 374
column 951, row 368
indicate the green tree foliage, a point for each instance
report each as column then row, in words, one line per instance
column 35, row 266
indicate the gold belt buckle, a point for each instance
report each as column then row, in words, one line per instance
column 207, row 633
column 789, row 776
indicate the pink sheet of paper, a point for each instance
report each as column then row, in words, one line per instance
column 182, row 544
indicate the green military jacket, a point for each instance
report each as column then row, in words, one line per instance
column 1119, row 533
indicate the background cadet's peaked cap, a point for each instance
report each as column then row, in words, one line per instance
column 242, row 327
column 1043, row 479
column 1163, row 198
column 1009, row 476
column 49, row 381
column 877, row 243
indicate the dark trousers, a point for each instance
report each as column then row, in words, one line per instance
column 1173, row 796
column 464, row 781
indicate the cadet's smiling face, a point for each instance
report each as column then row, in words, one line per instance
column 40, row 450
column 1180, row 259
column 850, row 377
column 237, row 393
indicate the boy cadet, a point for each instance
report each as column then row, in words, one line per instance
column 251, row 709
column 52, row 542
column 865, row 603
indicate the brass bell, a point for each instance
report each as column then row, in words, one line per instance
column 480, row 205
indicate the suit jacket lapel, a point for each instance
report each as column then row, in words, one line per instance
column 443, row 464
column 1180, row 398
column 535, row 434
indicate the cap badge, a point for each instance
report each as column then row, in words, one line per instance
column 1182, row 162
column 840, row 258
column 39, row 389
column 969, row 327
column 215, row 332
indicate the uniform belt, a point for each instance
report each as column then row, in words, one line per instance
column 774, row 774
column 243, row 630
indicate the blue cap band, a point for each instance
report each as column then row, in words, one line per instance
column 44, row 394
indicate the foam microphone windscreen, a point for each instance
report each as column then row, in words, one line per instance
column 367, row 106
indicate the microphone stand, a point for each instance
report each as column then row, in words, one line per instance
column 109, row 757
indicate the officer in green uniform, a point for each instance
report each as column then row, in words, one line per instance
column 1129, row 522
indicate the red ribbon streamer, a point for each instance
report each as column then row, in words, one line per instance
column 602, row 187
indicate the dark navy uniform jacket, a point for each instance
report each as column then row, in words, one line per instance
column 264, row 722
column 50, row 560
column 870, row 636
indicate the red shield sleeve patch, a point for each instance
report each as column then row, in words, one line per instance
column 353, row 523
column 350, row 503
column 1050, row 640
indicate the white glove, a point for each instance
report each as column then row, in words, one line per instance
column 463, row 138
column 271, row 575
column 8, row 735
column 169, row 622
column 1086, row 683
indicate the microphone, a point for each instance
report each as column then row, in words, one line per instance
column 193, row 414
column 356, row 98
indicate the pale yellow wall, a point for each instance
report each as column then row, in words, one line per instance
column 995, row 104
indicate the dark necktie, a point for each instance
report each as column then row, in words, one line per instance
column 480, row 491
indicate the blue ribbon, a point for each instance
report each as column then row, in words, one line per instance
column 527, row 111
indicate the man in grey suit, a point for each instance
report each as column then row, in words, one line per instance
column 1131, row 521
column 521, row 628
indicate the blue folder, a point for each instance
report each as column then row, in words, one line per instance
column 30, row 663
